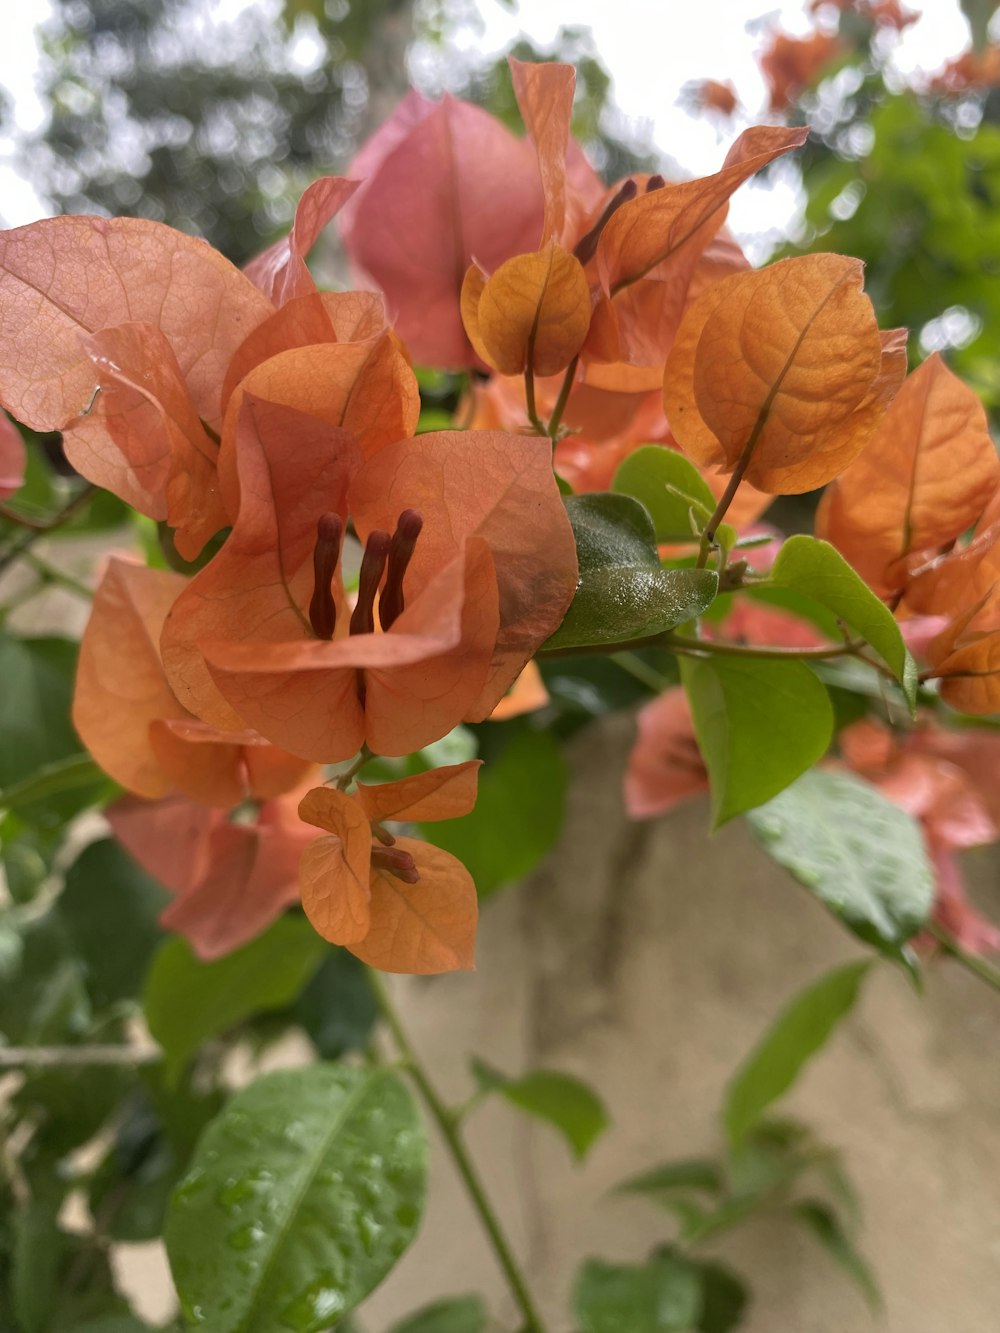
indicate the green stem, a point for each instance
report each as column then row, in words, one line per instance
column 563, row 399
column 445, row 1120
column 36, row 528
column 529, row 401
column 50, row 574
column 979, row 967
column 638, row 669
column 695, row 647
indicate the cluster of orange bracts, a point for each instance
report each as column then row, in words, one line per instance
column 249, row 402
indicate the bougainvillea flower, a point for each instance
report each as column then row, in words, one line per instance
column 396, row 903
column 130, row 720
column 665, row 766
column 526, row 695
column 965, row 657
column 926, row 478
column 962, row 576
column 443, row 184
column 791, row 64
column 781, row 372
column 231, row 878
column 280, row 271
column 121, row 331
column 12, row 457
column 489, row 574
column 649, row 249
column 711, row 95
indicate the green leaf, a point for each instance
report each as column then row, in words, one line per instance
column 518, row 814
column 815, row 569
column 669, row 485
column 187, row 1001
column 796, row 1035
column 826, row 1226
column 37, row 676
column 692, row 1173
column 623, row 593
column 573, row 1108
column 660, row 1296
column 301, row 1196
column 77, row 773
column 861, row 856
column 460, row 1314
column 337, row 1009
column 760, row 723
column 116, row 1324
column 107, row 901
column 724, row 1299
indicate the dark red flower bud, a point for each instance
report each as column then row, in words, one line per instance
column 586, row 246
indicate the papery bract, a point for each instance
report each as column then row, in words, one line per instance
column 444, row 184
column 665, row 766
column 532, row 314
column 231, row 880
column 12, row 457
column 280, row 271
column 68, row 276
column 130, row 720
column 926, row 477
column 421, row 919
column 781, row 372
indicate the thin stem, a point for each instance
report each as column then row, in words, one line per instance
column 979, row 967
column 51, row 574
column 641, row 672
column 529, row 400
column 35, row 529
column 678, row 643
column 563, row 399
column 345, row 779
column 64, row 1057
column 445, row 1120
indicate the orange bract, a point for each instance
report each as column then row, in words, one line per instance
column 281, row 272
column 396, row 903
column 531, row 315
column 926, row 477
column 780, row 372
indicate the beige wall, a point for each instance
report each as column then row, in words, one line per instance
column 648, row 959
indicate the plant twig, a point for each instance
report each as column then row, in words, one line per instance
column 35, row 528
column 446, row 1122
column 66, row 1057
column 562, row 400
column 979, row 967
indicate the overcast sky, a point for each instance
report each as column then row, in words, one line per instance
column 651, row 47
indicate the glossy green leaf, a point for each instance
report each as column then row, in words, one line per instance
column 301, row 1196
column 760, row 723
column 661, row 1296
column 77, row 773
column 799, row 1031
column 565, row 1102
column 861, row 856
column 826, row 1226
column 623, row 593
column 817, row 570
column 187, row 1001
column 518, row 815
column 669, row 486
column 460, row 1314
column 111, row 907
